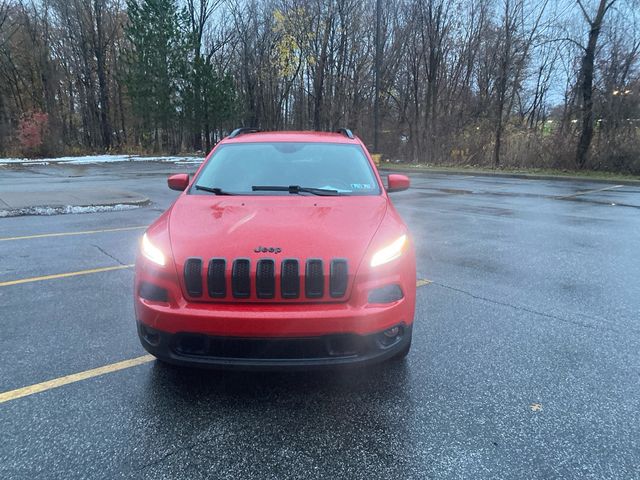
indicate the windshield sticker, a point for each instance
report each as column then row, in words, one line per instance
column 361, row 186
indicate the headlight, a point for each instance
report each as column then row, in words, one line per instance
column 390, row 252
column 152, row 252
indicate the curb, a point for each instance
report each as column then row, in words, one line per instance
column 526, row 176
column 14, row 204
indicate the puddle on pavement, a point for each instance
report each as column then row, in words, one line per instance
column 454, row 191
column 432, row 191
column 483, row 210
column 598, row 202
column 479, row 264
column 580, row 221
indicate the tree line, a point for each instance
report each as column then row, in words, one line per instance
column 519, row 83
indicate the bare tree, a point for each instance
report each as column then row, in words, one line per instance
column 586, row 77
column 488, row 82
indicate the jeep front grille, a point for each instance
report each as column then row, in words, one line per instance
column 267, row 279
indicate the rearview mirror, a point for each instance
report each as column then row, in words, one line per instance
column 397, row 183
column 179, row 182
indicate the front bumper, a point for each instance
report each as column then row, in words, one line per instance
column 273, row 353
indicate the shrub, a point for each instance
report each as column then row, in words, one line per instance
column 32, row 131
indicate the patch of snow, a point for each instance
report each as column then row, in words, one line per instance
column 184, row 159
column 95, row 159
column 69, row 209
column 91, row 159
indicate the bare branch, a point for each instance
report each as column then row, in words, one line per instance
column 584, row 12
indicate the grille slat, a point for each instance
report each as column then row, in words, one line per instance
column 290, row 279
column 266, row 278
column 216, row 280
column 339, row 278
column 193, row 276
column 241, row 278
column 314, row 279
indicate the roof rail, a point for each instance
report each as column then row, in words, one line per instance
column 243, row 130
column 345, row 131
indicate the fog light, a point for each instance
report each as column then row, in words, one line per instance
column 392, row 332
column 390, row 336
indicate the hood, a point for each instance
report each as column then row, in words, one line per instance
column 296, row 226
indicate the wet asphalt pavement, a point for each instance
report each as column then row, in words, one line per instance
column 525, row 360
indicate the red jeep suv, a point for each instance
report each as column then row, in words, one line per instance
column 283, row 251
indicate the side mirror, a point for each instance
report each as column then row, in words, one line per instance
column 178, row 182
column 397, row 183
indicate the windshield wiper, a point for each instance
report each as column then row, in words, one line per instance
column 216, row 190
column 295, row 189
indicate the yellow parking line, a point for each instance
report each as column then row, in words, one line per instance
column 63, row 275
column 66, row 234
column 76, row 377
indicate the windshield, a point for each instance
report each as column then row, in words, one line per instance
column 240, row 168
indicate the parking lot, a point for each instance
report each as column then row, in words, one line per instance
column 525, row 360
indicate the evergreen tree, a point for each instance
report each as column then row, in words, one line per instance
column 219, row 104
column 157, row 69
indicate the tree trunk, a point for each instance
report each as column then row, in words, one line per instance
column 502, row 83
column 196, row 94
column 318, row 84
column 103, row 82
column 586, row 82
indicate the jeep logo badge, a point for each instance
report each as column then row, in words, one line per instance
column 262, row 249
